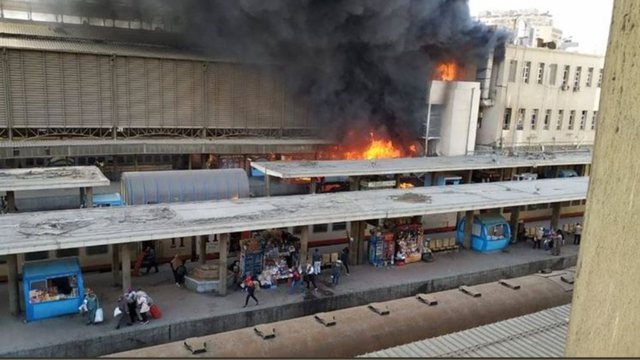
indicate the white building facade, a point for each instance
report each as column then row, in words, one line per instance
column 541, row 97
column 530, row 27
column 452, row 117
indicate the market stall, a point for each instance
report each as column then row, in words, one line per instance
column 269, row 256
column 381, row 248
column 52, row 288
column 398, row 242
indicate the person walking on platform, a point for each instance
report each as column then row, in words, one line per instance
column 251, row 289
column 150, row 258
column 92, row 306
column 537, row 238
column 179, row 270
column 344, row 257
column 296, row 280
column 311, row 277
column 132, row 304
column 577, row 235
column 336, row 271
column 123, row 317
column 317, row 261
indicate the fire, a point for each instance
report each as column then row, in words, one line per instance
column 406, row 185
column 377, row 149
column 447, row 71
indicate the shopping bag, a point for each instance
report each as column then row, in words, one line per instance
column 155, row 311
column 99, row 316
column 117, row 312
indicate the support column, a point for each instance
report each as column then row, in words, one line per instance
column 89, row 197
column 202, row 249
column 357, row 247
column 223, row 248
column 267, row 185
column 313, row 186
column 468, row 227
column 83, row 198
column 125, row 256
column 115, row 263
column 466, row 178
column 14, row 290
column 555, row 215
column 354, row 183
column 513, row 223
column 11, row 202
column 398, row 177
column 304, row 245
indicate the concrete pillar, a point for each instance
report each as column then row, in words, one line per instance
column 313, row 186
column 304, row 245
column 555, row 215
column 202, row 249
column 89, row 197
column 605, row 310
column 83, row 197
column 468, row 226
column 466, row 177
column 115, row 263
column 11, row 201
column 125, row 257
column 354, row 183
column 357, row 247
column 398, row 177
column 513, row 223
column 12, row 279
column 223, row 248
column 190, row 162
column 267, row 185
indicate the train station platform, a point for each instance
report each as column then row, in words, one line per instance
column 187, row 314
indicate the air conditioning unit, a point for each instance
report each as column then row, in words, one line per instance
column 564, row 87
column 576, row 88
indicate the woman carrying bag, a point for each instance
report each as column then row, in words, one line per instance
column 94, row 311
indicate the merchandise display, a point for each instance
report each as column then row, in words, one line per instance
column 399, row 242
column 59, row 288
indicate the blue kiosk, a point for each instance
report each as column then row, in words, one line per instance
column 52, row 288
column 490, row 232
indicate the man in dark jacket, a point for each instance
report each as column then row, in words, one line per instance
column 150, row 258
column 344, row 257
column 124, row 312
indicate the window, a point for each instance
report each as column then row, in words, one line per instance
column 593, row 120
column 3, row 259
column 572, row 119
column 534, row 119
column 38, row 255
column 565, row 76
column 66, row 253
column 583, row 120
column 513, row 69
column 97, row 250
column 560, row 119
column 540, row 73
column 506, row 123
column 547, row 119
column 339, row 226
column 521, row 114
column 53, row 289
column 318, row 228
column 589, row 77
column 526, row 71
column 600, row 78
column 297, row 230
column 553, row 72
column 576, row 80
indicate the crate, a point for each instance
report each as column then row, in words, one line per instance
column 334, row 257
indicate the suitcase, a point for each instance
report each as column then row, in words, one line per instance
column 155, row 311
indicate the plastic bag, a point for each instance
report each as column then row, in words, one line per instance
column 117, row 312
column 99, row 316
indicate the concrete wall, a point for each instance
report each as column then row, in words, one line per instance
column 460, row 115
column 605, row 315
column 516, row 94
column 155, row 335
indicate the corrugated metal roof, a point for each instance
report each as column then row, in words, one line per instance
column 541, row 334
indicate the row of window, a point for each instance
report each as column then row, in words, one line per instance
column 548, row 115
column 62, row 253
column 552, row 69
column 320, row 228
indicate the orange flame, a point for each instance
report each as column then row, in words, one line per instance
column 447, row 71
column 377, row 149
column 406, row 185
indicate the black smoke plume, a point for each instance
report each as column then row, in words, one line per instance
column 361, row 63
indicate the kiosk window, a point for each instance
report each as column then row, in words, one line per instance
column 53, row 289
column 496, row 232
column 38, row 255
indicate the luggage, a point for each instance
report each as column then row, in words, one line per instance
column 155, row 312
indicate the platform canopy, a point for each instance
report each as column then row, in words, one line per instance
column 328, row 168
column 41, row 231
column 51, row 178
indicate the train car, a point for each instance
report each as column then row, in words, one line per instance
column 363, row 329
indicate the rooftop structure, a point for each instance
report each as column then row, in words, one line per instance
column 539, row 335
column 31, row 232
column 299, row 169
column 51, row 178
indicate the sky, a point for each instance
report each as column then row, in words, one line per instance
column 586, row 21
